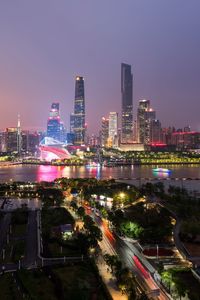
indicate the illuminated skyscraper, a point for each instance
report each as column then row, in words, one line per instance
column 19, row 138
column 113, row 128
column 147, row 125
column 104, row 131
column 79, row 112
column 53, row 123
column 12, row 139
column 127, row 103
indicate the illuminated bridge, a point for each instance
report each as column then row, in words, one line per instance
column 52, row 149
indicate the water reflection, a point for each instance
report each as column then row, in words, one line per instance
column 48, row 173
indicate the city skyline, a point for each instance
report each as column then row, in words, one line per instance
column 41, row 56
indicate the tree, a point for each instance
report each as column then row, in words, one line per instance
column 81, row 211
column 83, row 242
column 112, row 261
column 120, row 199
column 104, row 212
column 131, row 229
column 93, row 232
column 73, row 205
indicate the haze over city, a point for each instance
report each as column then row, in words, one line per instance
column 45, row 44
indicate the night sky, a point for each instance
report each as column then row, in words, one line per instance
column 44, row 44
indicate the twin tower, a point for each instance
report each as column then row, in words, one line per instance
column 77, row 118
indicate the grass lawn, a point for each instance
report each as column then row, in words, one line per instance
column 8, row 253
column 74, row 282
column 13, row 251
column 37, row 284
column 50, row 219
column 56, row 216
column 19, row 229
column 8, row 288
column 18, row 250
column 56, row 250
column 79, row 282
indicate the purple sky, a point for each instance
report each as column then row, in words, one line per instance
column 44, row 44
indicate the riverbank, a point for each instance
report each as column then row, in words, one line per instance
column 108, row 165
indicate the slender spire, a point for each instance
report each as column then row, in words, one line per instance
column 18, row 122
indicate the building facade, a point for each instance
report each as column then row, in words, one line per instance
column 78, row 118
column 54, row 123
column 144, row 105
column 104, row 131
column 113, row 129
column 127, row 103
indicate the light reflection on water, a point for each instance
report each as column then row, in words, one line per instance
column 49, row 173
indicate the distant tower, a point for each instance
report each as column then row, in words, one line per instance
column 19, row 141
column 79, row 112
column 127, row 103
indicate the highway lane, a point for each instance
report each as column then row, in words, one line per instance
column 126, row 251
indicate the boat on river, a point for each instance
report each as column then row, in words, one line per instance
column 161, row 170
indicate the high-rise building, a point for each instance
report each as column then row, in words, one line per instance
column 148, row 127
column 104, row 131
column 3, row 141
column 149, row 116
column 113, row 128
column 33, row 142
column 127, row 103
column 54, row 123
column 19, row 137
column 155, row 131
column 78, row 118
column 144, row 106
column 11, row 139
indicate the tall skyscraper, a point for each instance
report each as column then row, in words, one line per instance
column 79, row 112
column 147, row 125
column 19, row 138
column 104, row 131
column 53, row 123
column 127, row 103
column 113, row 128
column 155, row 131
column 12, row 139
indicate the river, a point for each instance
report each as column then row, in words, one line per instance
column 187, row 176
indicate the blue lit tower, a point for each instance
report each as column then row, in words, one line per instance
column 54, row 123
column 127, row 103
column 79, row 112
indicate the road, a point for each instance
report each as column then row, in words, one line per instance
column 113, row 245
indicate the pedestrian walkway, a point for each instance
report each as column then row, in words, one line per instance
column 109, row 280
